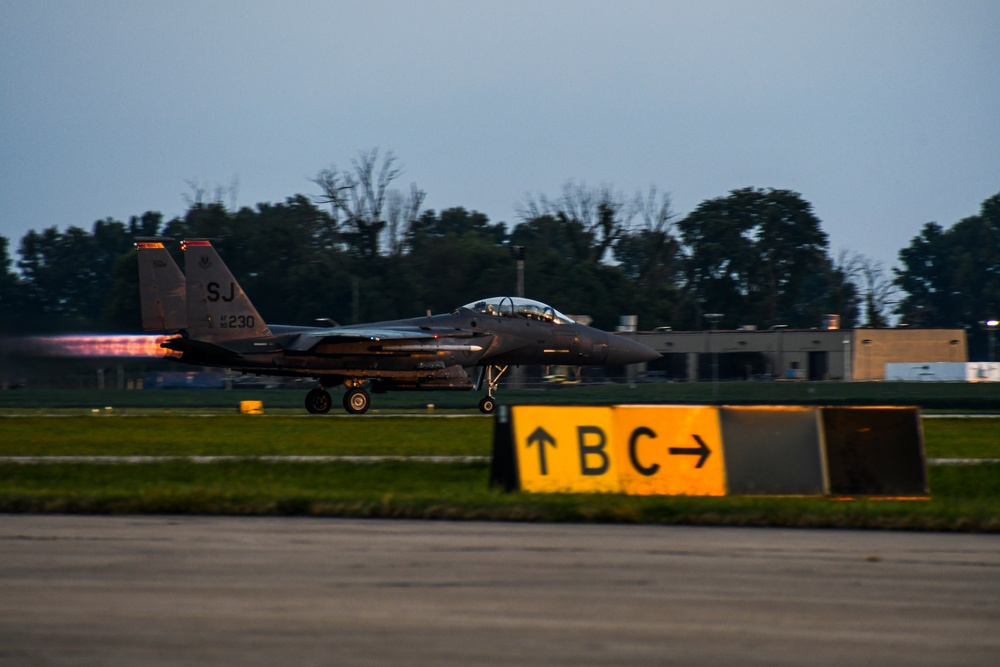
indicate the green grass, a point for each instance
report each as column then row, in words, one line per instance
column 963, row 498
column 243, row 435
column 962, row 438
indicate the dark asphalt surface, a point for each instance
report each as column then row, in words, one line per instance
column 86, row 590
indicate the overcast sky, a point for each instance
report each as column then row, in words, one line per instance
column 883, row 114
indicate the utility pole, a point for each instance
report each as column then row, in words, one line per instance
column 517, row 373
column 713, row 319
column 519, row 253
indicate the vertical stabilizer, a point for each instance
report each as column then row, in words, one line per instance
column 161, row 287
column 217, row 307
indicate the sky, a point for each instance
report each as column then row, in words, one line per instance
column 883, row 114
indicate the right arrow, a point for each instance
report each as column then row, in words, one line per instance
column 701, row 450
column 542, row 437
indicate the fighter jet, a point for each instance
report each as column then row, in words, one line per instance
column 216, row 325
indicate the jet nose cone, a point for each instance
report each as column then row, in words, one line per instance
column 624, row 351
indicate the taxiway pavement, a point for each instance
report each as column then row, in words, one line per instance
column 227, row 590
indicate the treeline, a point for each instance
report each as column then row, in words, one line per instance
column 361, row 250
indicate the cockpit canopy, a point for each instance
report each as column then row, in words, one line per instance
column 513, row 306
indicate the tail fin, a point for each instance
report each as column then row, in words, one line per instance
column 161, row 287
column 217, row 307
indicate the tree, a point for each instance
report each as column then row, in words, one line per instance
column 430, row 228
column 122, row 310
column 874, row 285
column 750, row 255
column 457, row 257
column 148, row 224
column 553, row 239
column 650, row 255
column 274, row 250
column 201, row 220
column 12, row 301
column 600, row 215
column 401, row 213
column 952, row 276
column 560, row 270
column 358, row 199
column 69, row 275
column 829, row 290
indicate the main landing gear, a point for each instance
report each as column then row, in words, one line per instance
column 318, row 401
column 489, row 404
column 356, row 401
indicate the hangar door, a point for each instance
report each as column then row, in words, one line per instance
column 819, row 365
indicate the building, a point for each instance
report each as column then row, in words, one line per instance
column 797, row 354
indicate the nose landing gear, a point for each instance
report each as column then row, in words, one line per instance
column 488, row 404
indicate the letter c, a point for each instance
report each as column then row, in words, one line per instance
column 633, row 439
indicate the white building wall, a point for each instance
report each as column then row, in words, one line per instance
column 944, row 371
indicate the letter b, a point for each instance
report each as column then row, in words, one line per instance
column 595, row 448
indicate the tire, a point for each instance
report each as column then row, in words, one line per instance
column 487, row 405
column 357, row 401
column 318, row 401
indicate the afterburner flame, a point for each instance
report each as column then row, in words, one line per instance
column 102, row 345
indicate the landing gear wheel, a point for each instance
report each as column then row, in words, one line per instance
column 318, row 401
column 356, row 401
column 489, row 404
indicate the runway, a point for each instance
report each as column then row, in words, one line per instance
column 264, row 591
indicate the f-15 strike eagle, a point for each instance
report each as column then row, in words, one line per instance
column 216, row 325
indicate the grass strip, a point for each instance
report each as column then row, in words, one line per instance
column 963, row 498
column 240, row 435
column 962, row 438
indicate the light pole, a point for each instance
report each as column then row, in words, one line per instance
column 519, row 253
column 517, row 375
column 713, row 319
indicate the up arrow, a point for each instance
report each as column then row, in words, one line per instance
column 701, row 450
column 542, row 437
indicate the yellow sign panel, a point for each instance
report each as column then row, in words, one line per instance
column 565, row 449
column 665, row 450
column 670, row 450
column 678, row 450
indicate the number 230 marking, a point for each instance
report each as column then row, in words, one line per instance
column 237, row 322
